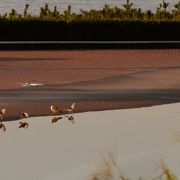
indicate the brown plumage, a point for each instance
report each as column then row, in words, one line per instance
column 70, row 118
column 55, row 109
column 24, row 115
column 24, row 125
column 3, row 127
column 69, row 110
column 2, row 113
column 55, row 119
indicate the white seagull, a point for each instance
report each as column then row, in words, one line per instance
column 27, row 84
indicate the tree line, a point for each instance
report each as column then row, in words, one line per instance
column 125, row 12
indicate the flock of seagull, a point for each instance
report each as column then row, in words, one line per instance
column 67, row 112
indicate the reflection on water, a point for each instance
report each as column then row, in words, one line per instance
column 24, row 125
column 71, row 119
column 7, row 5
column 54, row 119
column 66, row 113
column 2, row 127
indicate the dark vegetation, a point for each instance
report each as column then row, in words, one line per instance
column 109, row 23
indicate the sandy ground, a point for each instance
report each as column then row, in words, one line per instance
column 140, row 137
column 94, row 74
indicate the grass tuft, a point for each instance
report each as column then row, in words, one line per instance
column 109, row 170
column 166, row 173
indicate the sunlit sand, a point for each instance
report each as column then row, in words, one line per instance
column 63, row 150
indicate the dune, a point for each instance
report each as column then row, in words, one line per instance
column 140, row 137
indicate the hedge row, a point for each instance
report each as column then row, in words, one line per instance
column 37, row 30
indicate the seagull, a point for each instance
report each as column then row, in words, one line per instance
column 24, row 125
column 71, row 119
column 54, row 109
column 2, row 113
column 70, row 109
column 27, row 84
column 2, row 126
column 55, row 119
column 24, row 115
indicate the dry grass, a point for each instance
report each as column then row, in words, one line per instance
column 166, row 173
column 109, row 170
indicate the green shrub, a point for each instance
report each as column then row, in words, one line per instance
column 39, row 30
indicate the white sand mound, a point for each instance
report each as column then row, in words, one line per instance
column 140, row 137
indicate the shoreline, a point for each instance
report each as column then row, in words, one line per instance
column 94, row 79
column 38, row 104
column 15, row 117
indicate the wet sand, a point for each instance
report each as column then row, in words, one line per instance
column 95, row 79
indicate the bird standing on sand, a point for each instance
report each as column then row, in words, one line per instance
column 55, row 119
column 2, row 113
column 2, row 126
column 70, row 109
column 24, row 115
column 54, row 109
column 24, row 125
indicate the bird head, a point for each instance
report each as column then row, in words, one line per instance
column 3, row 110
column 73, row 105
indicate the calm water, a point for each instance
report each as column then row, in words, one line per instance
column 7, row 5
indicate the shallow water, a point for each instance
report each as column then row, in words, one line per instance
column 7, row 5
